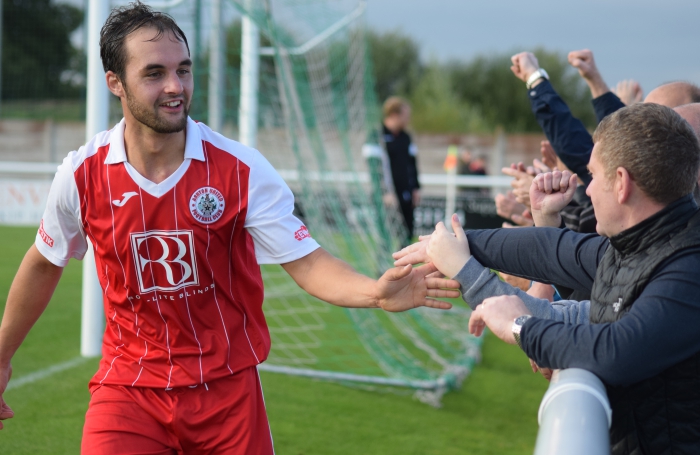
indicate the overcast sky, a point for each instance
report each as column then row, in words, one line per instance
column 653, row 41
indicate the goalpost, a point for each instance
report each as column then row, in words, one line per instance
column 306, row 99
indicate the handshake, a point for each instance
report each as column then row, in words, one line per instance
column 449, row 253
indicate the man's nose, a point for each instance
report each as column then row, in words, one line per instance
column 173, row 84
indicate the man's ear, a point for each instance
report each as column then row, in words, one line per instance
column 623, row 185
column 114, row 84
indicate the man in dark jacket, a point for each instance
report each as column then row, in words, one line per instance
column 643, row 339
column 402, row 153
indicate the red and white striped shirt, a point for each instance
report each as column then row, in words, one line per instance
column 177, row 261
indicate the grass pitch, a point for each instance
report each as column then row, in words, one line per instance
column 494, row 413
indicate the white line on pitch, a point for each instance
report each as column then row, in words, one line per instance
column 46, row 372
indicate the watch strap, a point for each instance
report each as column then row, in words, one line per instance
column 518, row 326
column 534, row 77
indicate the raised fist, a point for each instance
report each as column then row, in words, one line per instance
column 549, row 193
column 524, row 64
column 629, row 91
column 584, row 62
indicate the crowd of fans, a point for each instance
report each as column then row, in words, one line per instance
column 604, row 271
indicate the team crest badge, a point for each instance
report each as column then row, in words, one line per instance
column 302, row 233
column 207, row 205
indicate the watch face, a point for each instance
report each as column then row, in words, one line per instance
column 521, row 319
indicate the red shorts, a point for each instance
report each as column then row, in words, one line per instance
column 225, row 417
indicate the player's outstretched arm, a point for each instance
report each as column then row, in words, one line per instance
column 29, row 294
column 334, row 281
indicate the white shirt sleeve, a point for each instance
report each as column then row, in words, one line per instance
column 279, row 236
column 61, row 235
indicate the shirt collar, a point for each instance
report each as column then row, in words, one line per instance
column 117, row 152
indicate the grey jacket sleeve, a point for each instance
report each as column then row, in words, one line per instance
column 479, row 283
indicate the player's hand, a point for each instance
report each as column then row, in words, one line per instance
column 5, row 411
column 498, row 314
column 524, row 64
column 404, row 288
column 549, row 194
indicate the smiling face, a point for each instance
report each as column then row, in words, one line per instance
column 157, row 85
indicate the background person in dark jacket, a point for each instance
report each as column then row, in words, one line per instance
column 643, row 340
column 402, row 153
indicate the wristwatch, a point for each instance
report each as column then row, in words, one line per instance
column 518, row 326
column 534, row 77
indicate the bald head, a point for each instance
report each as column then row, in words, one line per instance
column 691, row 114
column 674, row 94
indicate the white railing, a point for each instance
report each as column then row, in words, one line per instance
column 574, row 415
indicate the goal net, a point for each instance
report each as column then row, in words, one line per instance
column 317, row 113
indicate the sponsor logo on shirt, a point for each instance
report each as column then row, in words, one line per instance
column 44, row 236
column 207, row 205
column 165, row 260
column 125, row 197
column 302, row 233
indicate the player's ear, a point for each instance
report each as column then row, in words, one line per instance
column 114, row 84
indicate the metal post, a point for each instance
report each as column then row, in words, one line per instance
column 250, row 64
column 92, row 323
column 451, row 186
column 217, row 67
column 574, row 415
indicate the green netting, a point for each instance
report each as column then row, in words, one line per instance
column 317, row 109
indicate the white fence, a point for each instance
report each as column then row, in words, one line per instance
column 22, row 200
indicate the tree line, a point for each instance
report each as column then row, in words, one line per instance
column 468, row 96
column 40, row 62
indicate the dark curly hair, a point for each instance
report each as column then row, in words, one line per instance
column 125, row 20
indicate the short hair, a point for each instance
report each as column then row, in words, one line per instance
column 125, row 20
column 394, row 105
column 655, row 145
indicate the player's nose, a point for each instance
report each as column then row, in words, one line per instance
column 173, row 84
